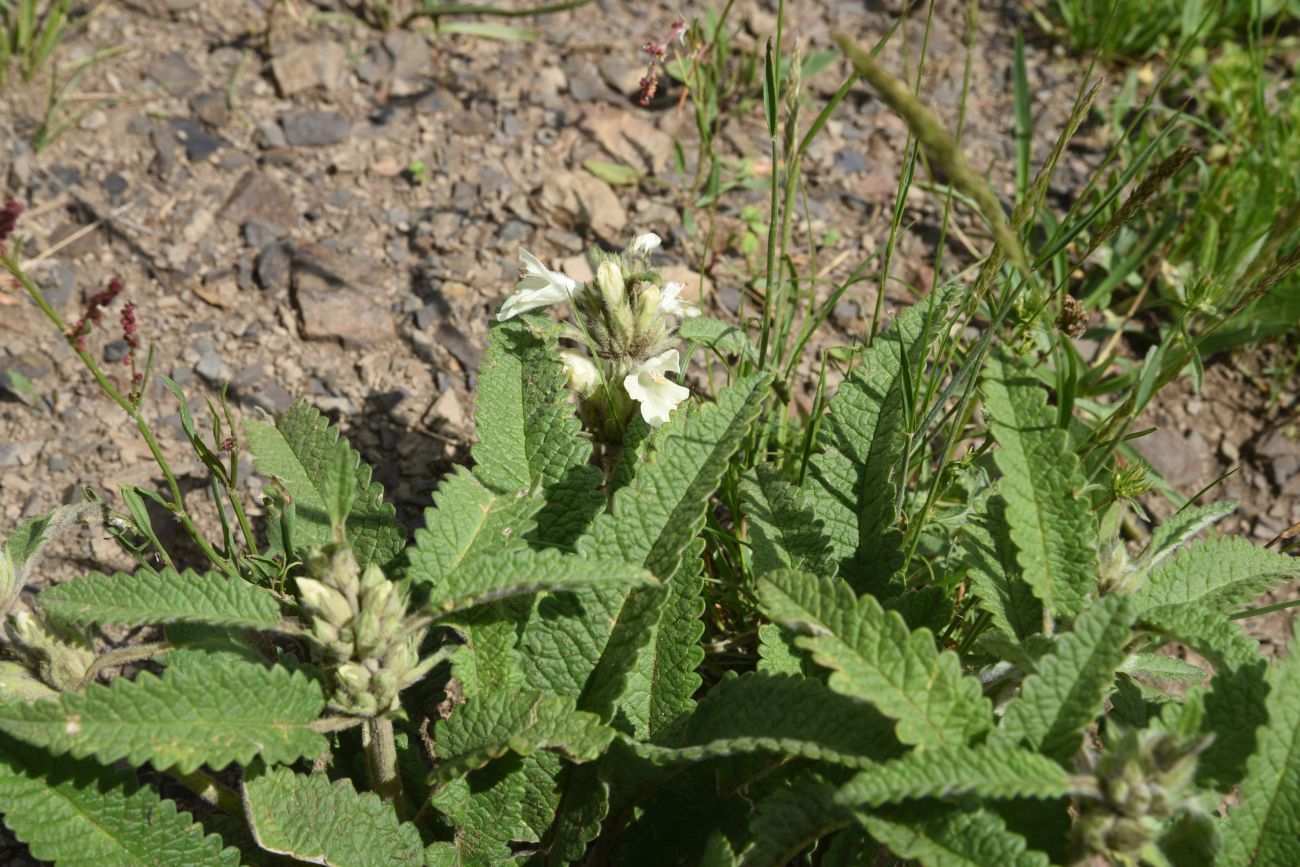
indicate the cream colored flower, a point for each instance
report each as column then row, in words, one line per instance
column 647, row 243
column 671, row 303
column 648, row 386
column 538, row 287
column 584, row 378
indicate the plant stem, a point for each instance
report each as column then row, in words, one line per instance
column 210, row 790
column 381, row 762
column 121, row 656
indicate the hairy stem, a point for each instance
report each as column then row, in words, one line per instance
column 381, row 762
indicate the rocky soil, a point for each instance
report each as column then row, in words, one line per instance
column 301, row 205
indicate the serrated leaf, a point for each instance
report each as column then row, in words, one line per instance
column 942, row 772
column 80, row 814
column 490, row 726
column 990, row 560
column 230, row 711
column 654, row 518
column 467, row 520
column 784, row 531
column 1181, row 527
column 161, row 597
column 21, row 551
column 312, row 819
column 1214, row 575
column 1163, row 667
column 492, row 807
column 1066, row 691
column 777, row 653
column 528, row 435
column 489, row 659
column 786, row 716
column 950, row 837
column 662, row 681
column 1234, row 711
column 1209, row 633
column 1051, row 522
column 875, row 658
column 862, row 437
column 489, row 578
column 1265, row 827
column 792, row 819
column 301, row 450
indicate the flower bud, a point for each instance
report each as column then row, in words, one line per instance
column 17, row 683
column 324, row 603
column 609, row 279
column 584, row 378
column 369, row 633
column 355, row 678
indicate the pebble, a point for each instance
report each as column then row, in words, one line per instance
column 272, row 268
column 258, row 233
column 175, row 75
column 115, row 351
column 258, row 196
column 211, row 107
column 211, row 368
column 271, row 397
column 315, row 128
column 303, row 67
column 199, row 144
column 332, row 304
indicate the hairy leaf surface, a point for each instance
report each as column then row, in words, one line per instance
column 862, row 439
column 302, row 449
column 874, row 657
column 80, row 814
column 949, row 837
column 940, row 772
column 1265, row 827
column 1215, row 575
column 1051, row 522
column 161, row 597
column 792, row 819
column 990, row 559
column 310, row 818
column 1066, row 691
column 229, row 711
column 784, row 532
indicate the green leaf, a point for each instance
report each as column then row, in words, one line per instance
column 790, row 820
column 1214, row 575
column 874, row 657
column 780, row 715
column 499, row 804
column 1163, row 667
column 654, row 518
column 528, row 435
column 467, row 521
column 1181, row 527
column 663, row 679
column 614, row 174
column 1234, row 711
column 302, row 449
column 943, row 772
column 990, row 560
column 1066, row 691
column 490, row 726
column 21, row 552
column 227, row 712
column 80, row 814
column 490, row 578
column 1052, row 524
column 784, row 532
column 1265, row 827
column 310, row 818
column 161, row 597
column 950, row 837
column 776, row 651
column 862, row 438
column 1209, row 633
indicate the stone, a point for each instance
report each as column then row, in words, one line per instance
column 258, row 196
column 315, row 128
column 198, row 143
column 115, row 351
column 272, row 397
column 270, row 136
column 585, row 201
column 1183, row 461
column 86, row 243
column 115, row 185
column 19, row 454
column 627, row 138
column 175, row 75
column 303, row 67
column 449, row 410
column 410, row 60
column 59, row 284
column 272, row 269
column 1280, row 454
column 258, row 234
column 211, row 107
column 461, row 348
column 331, row 303
column 211, row 368
column 850, row 161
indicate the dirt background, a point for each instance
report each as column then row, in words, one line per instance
column 247, row 182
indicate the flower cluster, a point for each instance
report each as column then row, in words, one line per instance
column 360, row 623
column 623, row 322
column 94, row 312
column 9, row 215
column 658, row 53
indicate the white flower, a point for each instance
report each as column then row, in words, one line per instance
column 583, row 375
column 647, row 243
column 538, row 287
column 671, row 303
column 657, row 395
